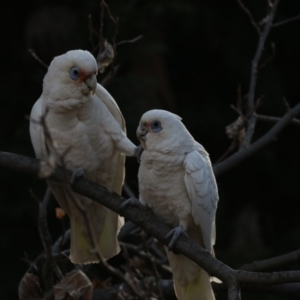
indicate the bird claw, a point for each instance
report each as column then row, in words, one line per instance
column 77, row 173
column 174, row 234
column 138, row 153
column 129, row 202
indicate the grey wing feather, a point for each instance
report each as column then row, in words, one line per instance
column 112, row 106
column 203, row 192
column 36, row 131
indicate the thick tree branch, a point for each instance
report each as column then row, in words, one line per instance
column 238, row 157
column 287, row 289
column 272, row 263
column 146, row 219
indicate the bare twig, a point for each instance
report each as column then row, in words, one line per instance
column 57, row 246
column 47, row 242
column 238, row 157
column 276, row 119
column 108, row 11
column 286, row 21
column 115, row 20
column 270, row 3
column 230, row 149
column 158, row 253
column 270, row 58
column 253, row 78
column 101, row 37
column 32, row 264
column 91, row 31
column 145, row 255
column 46, row 239
column 128, row 191
column 286, row 104
column 155, row 265
column 107, row 50
column 130, row 41
column 248, row 12
column 240, row 103
column 110, row 75
column 37, row 58
column 128, row 229
column 238, row 110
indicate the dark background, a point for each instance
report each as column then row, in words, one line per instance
column 192, row 58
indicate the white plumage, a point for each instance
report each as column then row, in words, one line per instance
column 83, row 118
column 176, row 180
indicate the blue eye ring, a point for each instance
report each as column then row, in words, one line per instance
column 156, row 126
column 74, row 73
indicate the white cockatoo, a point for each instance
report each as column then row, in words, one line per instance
column 176, row 180
column 86, row 125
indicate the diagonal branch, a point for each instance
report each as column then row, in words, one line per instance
column 275, row 119
column 274, row 262
column 130, row 41
column 248, row 12
column 31, row 51
column 286, row 289
column 286, row 21
column 238, row 157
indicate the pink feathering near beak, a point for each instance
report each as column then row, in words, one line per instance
column 148, row 126
column 84, row 75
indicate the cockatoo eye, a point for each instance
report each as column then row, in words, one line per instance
column 156, row 126
column 74, row 73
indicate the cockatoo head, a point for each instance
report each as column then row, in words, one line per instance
column 163, row 131
column 71, row 76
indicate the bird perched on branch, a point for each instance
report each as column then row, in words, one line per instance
column 85, row 128
column 176, row 180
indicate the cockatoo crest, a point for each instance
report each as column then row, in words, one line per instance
column 71, row 76
column 163, row 131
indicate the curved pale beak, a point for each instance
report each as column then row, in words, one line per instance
column 141, row 132
column 91, row 83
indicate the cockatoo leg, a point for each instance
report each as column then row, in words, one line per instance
column 129, row 202
column 138, row 152
column 174, row 234
column 77, row 173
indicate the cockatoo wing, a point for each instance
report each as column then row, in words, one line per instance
column 112, row 106
column 36, row 131
column 115, row 221
column 203, row 192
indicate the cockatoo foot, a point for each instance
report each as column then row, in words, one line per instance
column 77, row 173
column 129, row 202
column 138, row 152
column 174, row 234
